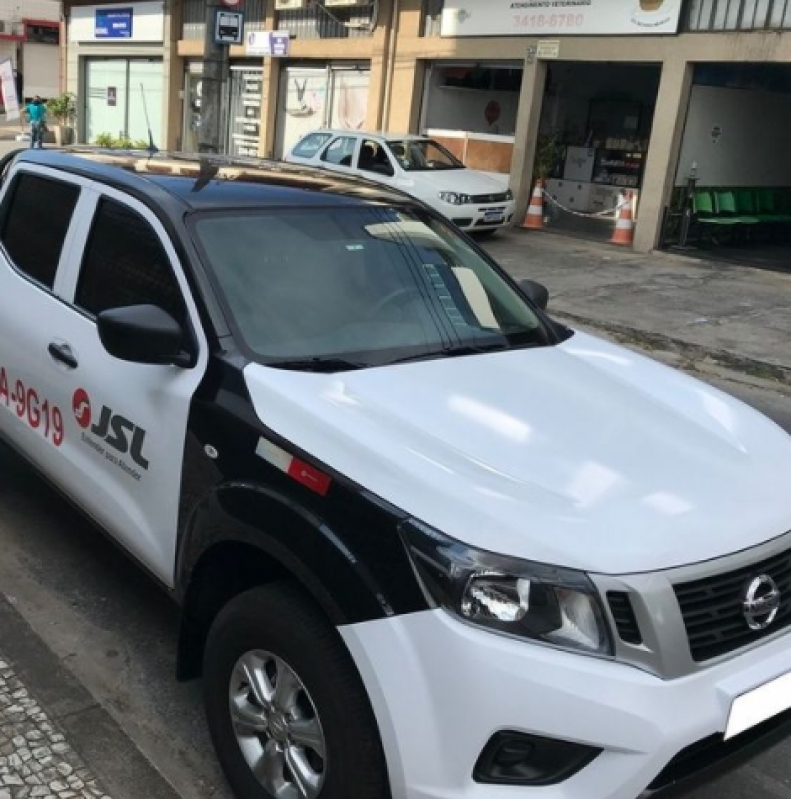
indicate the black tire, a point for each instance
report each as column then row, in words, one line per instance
column 280, row 619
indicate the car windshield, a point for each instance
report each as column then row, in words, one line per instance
column 355, row 287
column 423, row 155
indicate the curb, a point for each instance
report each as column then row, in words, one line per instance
column 652, row 341
column 89, row 729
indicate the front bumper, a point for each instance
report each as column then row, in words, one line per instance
column 440, row 689
column 481, row 217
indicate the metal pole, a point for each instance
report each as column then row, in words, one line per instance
column 215, row 66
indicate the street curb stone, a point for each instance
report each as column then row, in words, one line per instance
column 83, row 726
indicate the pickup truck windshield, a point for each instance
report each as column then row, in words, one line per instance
column 349, row 288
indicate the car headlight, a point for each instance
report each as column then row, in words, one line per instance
column 454, row 198
column 531, row 600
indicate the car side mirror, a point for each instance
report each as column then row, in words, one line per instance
column 142, row 334
column 538, row 293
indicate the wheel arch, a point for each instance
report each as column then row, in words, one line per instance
column 244, row 536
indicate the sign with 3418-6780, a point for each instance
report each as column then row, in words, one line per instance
column 559, row 17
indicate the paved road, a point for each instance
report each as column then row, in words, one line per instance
column 115, row 631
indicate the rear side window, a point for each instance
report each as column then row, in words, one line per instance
column 126, row 264
column 36, row 218
column 311, row 144
column 340, row 151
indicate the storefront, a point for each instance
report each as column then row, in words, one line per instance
column 582, row 110
column 118, row 55
column 596, row 126
column 315, row 95
column 471, row 108
column 732, row 195
column 240, row 124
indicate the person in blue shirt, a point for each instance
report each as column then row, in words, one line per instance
column 37, row 114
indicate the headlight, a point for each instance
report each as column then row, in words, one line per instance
column 454, row 198
column 518, row 597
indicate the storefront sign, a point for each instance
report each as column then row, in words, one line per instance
column 559, row 17
column 8, row 87
column 268, row 43
column 118, row 25
column 548, row 48
column 113, row 23
column 228, row 27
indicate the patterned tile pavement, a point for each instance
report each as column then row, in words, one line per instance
column 36, row 761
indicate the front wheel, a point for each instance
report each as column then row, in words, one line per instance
column 286, row 708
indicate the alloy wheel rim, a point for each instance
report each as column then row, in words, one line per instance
column 277, row 727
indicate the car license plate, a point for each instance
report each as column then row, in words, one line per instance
column 761, row 704
column 493, row 216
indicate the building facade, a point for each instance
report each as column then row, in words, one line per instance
column 647, row 97
column 30, row 39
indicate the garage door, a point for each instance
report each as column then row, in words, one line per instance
column 41, row 69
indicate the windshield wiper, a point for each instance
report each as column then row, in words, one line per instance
column 316, row 364
column 452, row 352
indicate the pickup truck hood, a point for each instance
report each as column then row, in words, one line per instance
column 464, row 181
column 584, row 455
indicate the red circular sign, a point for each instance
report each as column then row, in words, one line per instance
column 81, row 405
column 492, row 112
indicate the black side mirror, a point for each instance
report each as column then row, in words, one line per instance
column 142, row 334
column 537, row 292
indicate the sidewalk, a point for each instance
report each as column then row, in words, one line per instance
column 56, row 742
column 35, row 759
column 708, row 313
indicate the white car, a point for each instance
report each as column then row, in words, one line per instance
column 478, row 202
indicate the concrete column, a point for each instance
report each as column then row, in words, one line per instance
column 669, row 117
column 528, row 117
column 172, row 80
column 270, row 86
column 381, row 56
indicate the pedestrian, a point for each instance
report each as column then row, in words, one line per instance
column 37, row 115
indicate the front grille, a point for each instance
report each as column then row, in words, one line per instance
column 482, row 199
column 623, row 615
column 712, row 607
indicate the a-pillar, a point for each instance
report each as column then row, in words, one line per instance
column 531, row 99
column 663, row 151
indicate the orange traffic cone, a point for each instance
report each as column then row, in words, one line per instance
column 624, row 226
column 534, row 218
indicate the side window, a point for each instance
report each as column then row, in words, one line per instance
column 340, row 152
column 311, row 144
column 373, row 158
column 126, row 264
column 36, row 218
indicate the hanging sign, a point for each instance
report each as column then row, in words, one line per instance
column 268, row 43
column 228, row 27
column 8, row 87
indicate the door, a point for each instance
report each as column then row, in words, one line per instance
column 375, row 162
column 244, row 113
column 126, row 426
column 123, row 98
column 32, row 414
column 105, row 98
column 301, row 105
column 348, row 106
